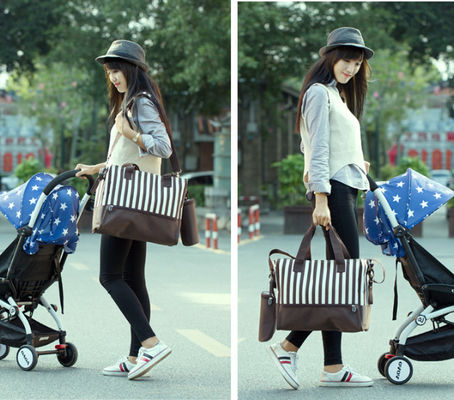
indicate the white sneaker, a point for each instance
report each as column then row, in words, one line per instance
column 120, row 368
column 286, row 363
column 345, row 377
column 148, row 358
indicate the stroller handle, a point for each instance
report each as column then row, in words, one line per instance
column 373, row 185
column 62, row 177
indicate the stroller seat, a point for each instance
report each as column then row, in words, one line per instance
column 432, row 281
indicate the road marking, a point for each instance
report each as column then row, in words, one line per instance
column 247, row 241
column 218, row 299
column 205, row 342
column 79, row 266
column 216, row 251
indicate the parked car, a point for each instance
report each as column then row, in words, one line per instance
column 442, row 176
column 199, row 177
column 9, row 182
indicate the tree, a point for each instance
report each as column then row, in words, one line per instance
column 187, row 47
column 26, row 31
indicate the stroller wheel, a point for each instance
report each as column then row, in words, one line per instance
column 68, row 357
column 4, row 351
column 398, row 370
column 382, row 362
column 26, row 357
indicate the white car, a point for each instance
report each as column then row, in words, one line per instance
column 9, row 182
column 442, row 176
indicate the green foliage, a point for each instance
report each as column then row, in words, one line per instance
column 187, row 45
column 387, row 172
column 197, row 192
column 450, row 203
column 27, row 168
column 291, row 186
column 414, row 163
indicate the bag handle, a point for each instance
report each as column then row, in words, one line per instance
column 173, row 157
column 332, row 239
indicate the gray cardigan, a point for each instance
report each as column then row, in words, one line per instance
column 154, row 134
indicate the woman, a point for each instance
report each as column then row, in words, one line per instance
column 123, row 261
column 329, row 110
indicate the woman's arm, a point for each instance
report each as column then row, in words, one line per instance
column 315, row 110
column 155, row 137
column 89, row 169
column 316, row 114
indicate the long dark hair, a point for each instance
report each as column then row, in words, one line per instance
column 323, row 72
column 137, row 81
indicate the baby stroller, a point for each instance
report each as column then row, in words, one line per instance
column 45, row 215
column 390, row 211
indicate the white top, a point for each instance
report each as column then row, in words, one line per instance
column 125, row 151
column 331, row 141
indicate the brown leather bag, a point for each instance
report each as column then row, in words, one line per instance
column 322, row 294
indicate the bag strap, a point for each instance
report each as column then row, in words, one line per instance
column 173, row 158
column 276, row 251
column 332, row 239
column 396, row 295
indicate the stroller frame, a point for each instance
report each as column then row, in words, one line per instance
column 36, row 334
column 433, row 345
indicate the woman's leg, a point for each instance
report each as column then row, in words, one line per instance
column 134, row 276
column 342, row 205
column 114, row 257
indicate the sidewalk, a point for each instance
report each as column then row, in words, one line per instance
column 435, row 226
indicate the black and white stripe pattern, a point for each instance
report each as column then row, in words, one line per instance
column 319, row 283
column 144, row 192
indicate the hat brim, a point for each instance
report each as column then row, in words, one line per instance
column 368, row 52
column 105, row 58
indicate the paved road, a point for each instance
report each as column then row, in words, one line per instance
column 258, row 378
column 190, row 293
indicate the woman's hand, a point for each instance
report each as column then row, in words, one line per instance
column 366, row 166
column 122, row 125
column 88, row 169
column 321, row 214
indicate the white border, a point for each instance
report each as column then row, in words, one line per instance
column 233, row 199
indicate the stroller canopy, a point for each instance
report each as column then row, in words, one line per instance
column 57, row 219
column 412, row 198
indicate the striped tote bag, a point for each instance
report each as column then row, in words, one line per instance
column 322, row 294
column 134, row 204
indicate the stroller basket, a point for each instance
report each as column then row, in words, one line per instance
column 13, row 333
column 435, row 345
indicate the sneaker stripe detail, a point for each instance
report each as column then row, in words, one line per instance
column 345, row 376
column 283, row 358
column 285, row 362
column 122, row 365
column 349, row 377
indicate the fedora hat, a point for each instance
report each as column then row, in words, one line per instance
column 125, row 50
column 346, row 37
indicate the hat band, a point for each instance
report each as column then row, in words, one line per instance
column 346, row 44
column 124, row 55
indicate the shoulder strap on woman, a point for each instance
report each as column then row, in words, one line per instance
column 173, row 158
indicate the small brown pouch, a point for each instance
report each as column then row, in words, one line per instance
column 188, row 230
column 267, row 324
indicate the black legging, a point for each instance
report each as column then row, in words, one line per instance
column 342, row 206
column 122, row 274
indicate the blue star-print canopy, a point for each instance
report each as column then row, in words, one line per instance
column 57, row 219
column 412, row 198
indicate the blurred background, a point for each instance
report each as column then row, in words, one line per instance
column 408, row 117
column 53, row 96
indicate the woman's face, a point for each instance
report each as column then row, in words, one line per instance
column 118, row 80
column 344, row 70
